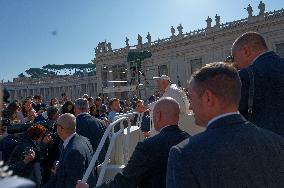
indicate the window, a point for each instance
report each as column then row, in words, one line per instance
column 196, row 64
column 163, row 70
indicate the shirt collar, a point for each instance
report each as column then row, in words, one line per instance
column 83, row 113
column 221, row 116
column 67, row 140
column 259, row 56
column 166, row 127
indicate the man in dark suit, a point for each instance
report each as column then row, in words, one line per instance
column 232, row 152
column 89, row 126
column 148, row 163
column 75, row 155
column 251, row 53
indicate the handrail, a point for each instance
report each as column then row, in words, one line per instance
column 129, row 114
column 102, row 142
column 113, row 139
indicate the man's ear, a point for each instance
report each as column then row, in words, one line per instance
column 159, row 116
column 208, row 98
column 247, row 51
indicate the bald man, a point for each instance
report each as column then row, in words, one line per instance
column 147, row 166
column 75, row 155
column 262, row 73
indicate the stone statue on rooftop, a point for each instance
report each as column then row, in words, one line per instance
column 173, row 31
column 104, row 47
column 109, row 47
column 149, row 38
column 249, row 9
column 179, row 28
column 139, row 39
column 127, row 42
column 209, row 21
column 261, row 8
column 97, row 49
column 217, row 20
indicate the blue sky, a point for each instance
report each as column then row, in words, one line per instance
column 26, row 26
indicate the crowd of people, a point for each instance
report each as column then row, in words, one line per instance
column 36, row 152
column 240, row 104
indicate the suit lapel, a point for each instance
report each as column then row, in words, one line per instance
column 66, row 149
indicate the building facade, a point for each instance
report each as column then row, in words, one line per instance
column 48, row 87
column 181, row 54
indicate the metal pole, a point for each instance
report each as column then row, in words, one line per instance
column 137, row 78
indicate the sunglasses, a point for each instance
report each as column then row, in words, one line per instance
column 229, row 59
column 58, row 125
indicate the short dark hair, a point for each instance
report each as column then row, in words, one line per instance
column 98, row 99
column 112, row 101
column 253, row 39
column 51, row 111
column 90, row 98
column 64, row 108
column 39, row 97
column 221, row 79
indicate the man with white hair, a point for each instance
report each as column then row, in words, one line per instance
column 172, row 90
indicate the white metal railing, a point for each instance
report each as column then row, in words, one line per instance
column 110, row 129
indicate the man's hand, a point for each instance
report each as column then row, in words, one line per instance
column 47, row 139
column 81, row 184
column 30, row 156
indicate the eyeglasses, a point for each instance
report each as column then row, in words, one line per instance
column 58, row 125
column 229, row 59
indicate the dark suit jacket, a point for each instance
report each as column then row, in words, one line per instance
column 73, row 163
column 268, row 70
column 148, row 163
column 16, row 163
column 93, row 129
column 232, row 152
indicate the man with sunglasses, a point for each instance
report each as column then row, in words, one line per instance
column 262, row 76
column 76, row 154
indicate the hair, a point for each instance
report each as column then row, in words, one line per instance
column 221, row 79
column 137, row 102
column 65, row 109
column 39, row 97
column 103, row 108
column 50, row 103
column 112, row 101
column 85, row 96
column 36, row 131
column 51, row 111
column 63, row 95
column 11, row 111
column 93, row 110
column 98, row 99
column 68, row 122
column 82, row 104
column 24, row 111
column 90, row 99
column 253, row 39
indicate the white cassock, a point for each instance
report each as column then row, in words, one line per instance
column 186, row 119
